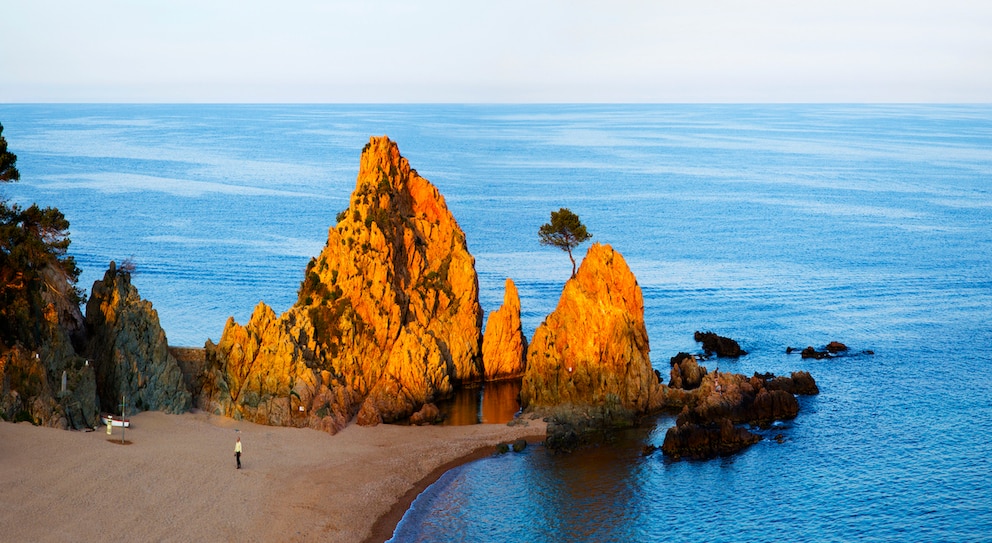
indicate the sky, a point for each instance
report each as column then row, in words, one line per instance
column 507, row 51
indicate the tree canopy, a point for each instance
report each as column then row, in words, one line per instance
column 33, row 245
column 565, row 231
column 8, row 170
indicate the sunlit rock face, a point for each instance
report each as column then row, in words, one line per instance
column 389, row 310
column 129, row 349
column 504, row 347
column 593, row 348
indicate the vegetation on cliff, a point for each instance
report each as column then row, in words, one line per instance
column 39, row 316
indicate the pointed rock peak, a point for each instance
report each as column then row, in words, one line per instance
column 262, row 316
column 604, row 275
column 511, row 298
column 504, row 346
column 395, row 266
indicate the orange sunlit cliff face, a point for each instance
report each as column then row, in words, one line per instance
column 387, row 321
column 594, row 346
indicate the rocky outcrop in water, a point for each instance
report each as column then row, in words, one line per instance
column 504, row 347
column 686, row 373
column 593, row 348
column 723, row 347
column 706, row 425
column 387, row 316
column 129, row 350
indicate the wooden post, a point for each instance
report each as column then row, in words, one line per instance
column 123, row 418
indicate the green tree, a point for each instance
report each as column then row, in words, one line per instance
column 565, row 231
column 8, row 170
column 33, row 252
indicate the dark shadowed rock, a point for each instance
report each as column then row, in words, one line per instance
column 800, row 382
column 810, row 352
column 836, row 347
column 31, row 376
column 719, row 345
column 705, row 426
column 686, row 373
column 707, row 440
column 129, row 350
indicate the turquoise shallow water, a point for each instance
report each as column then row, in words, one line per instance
column 775, row 225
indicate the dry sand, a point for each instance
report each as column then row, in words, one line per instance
column 176, row 480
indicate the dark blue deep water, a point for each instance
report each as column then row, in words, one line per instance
column 775, row 225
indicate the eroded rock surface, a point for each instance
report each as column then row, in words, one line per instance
column 504, row 347
column 593, row 348
column 32, row 373
column 706, row 427
column 723, row 347
column 387, row 319
column 129, row 349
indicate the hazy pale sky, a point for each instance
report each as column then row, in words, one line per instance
column 496, row 51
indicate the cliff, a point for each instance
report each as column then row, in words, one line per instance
column 388, row 312
column 31, row 376
column 504, row 347
column 593, row 348
column 129, row 350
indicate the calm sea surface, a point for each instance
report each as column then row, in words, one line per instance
column 775, row 225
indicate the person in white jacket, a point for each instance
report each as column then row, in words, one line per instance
column 237, row 451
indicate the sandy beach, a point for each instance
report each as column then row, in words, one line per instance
column 176, row 480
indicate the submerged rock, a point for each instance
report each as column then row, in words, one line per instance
column 810, row 352
column 593, row 348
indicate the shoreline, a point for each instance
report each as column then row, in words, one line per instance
column 177, row 480
column 385, row 525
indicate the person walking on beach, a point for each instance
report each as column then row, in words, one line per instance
column 237, row 451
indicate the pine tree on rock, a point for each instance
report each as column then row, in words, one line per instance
column 565, row 231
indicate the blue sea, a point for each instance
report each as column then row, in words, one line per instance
column 776, row 225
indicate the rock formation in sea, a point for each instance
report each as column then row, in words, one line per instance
column 504, row 347
column 593, row 348
column 719, row 345
column 129, row 350
column 686, row 373
column 387, row 319
column 706, row 425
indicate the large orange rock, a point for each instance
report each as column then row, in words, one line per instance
column 504, row 347
column 268, row 372
column 389, row 309
column 593, row 349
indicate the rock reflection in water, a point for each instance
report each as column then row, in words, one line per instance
column 496, row 402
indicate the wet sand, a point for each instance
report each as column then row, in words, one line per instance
column 176, row 479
